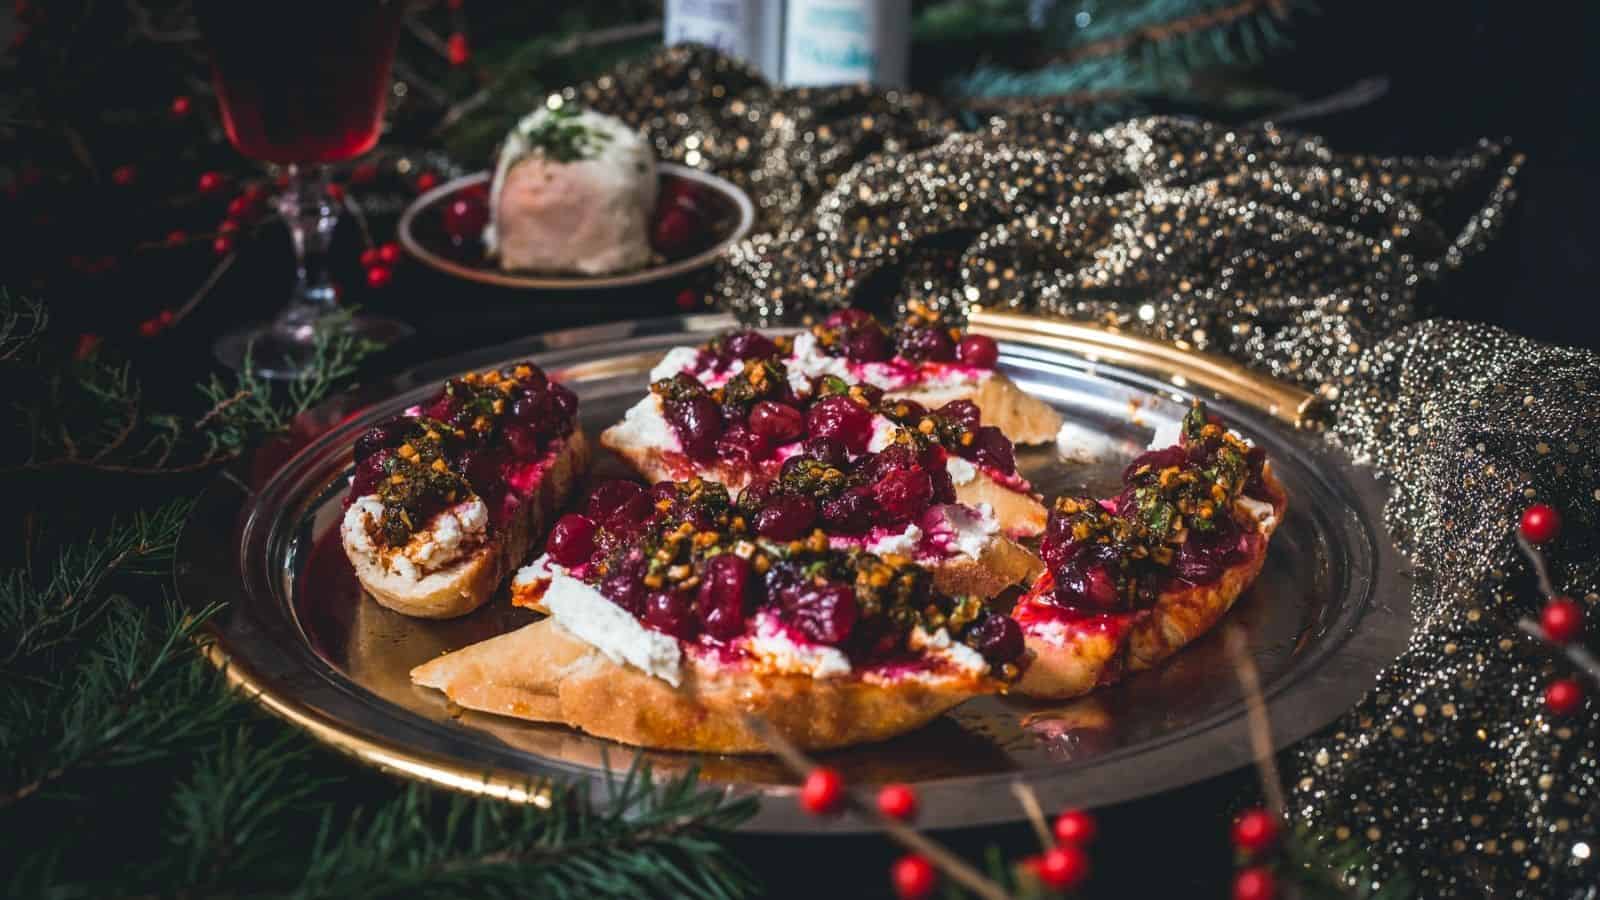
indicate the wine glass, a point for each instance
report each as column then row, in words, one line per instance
column 302, row 84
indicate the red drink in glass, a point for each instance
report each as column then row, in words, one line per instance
column 306, row 82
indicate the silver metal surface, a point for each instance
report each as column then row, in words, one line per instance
column 1326, row 614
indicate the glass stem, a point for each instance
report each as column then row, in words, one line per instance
column 311, row 215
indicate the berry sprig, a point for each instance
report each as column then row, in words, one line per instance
column 1560, row 623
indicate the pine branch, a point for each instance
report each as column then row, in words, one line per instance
column 22, row 323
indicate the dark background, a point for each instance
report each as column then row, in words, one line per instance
column 1455, row 72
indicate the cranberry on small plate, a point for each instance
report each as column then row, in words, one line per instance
column 444, row 229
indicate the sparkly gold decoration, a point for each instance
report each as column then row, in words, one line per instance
column 1269, row 247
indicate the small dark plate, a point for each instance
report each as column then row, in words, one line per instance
column 729, row 216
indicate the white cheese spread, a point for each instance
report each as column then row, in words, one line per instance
column 611, row 629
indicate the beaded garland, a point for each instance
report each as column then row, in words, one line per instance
column 1273, row 249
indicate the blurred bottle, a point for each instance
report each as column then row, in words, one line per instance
column 751, row 30
column 846, row 42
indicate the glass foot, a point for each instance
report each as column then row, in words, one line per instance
column 283, row 351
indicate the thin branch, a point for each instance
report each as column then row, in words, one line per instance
column 957, row 868
column 1030, row 805
column 1260, row 726
column 1165, row 31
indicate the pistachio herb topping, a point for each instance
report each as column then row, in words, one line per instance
column 560, row 135
column 1173, row 521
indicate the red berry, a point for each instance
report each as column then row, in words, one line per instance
column 778, row 423
column 1563, row 696
column 389, row 253
column 336, row 193
column 364, row 173
column 979, row 351
column 427, row 181
column 240, row 206
column 369, row 257
column 378, row 277
column 465, row 216
column 222, row 246
column 181, row 106
column 674, row 230
column 87, row 345
column 149, row 328
column 454, row 4
column 228, row 226
column 1255, row 830
column 1063, row 868
column 1255, row 884
column 1075, row 826
column 571, row 541
column 913, row 878
column 210, row 181
column 823, row 791
column 1562, row 620
column 688, row 299
column 124, row 175
column 176, row 236
column 456, row 47
column 166, row 317
column 1540, row 523
column 897, row 801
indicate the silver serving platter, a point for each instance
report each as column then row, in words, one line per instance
column 1327, row 613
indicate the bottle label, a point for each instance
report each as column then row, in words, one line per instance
column 744, row 29
column 846, row 41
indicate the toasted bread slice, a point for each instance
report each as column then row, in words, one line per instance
column 1073, row 658
column 1021, row 515
column 1022, row 417
column 463, row 586
column 542, row 673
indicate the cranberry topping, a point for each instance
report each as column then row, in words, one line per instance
column 991, row 449
column 849, row 513
column 459, row 446
column 571, row 541
column 902, row 495
column 742, row 446
column 779, row 423
column 826, row 450
column 963, row 413
column 621, row 506
column 698, row 424
column 747, row 345
column 864, row 345
column 843, row 419
column 979, row 351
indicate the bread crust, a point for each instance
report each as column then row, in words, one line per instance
column 1135, row 641
column 465, row 585
column 542, row 673
column 1022, row 417
column 1020, row 515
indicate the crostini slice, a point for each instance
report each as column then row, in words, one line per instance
column 745, row 429
column 922, row 361
column 666, row 630
column 450, row 496
column 1131, row 580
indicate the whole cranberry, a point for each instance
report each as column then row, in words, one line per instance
column 724, row 586
column 786, row 517
column 682, row 192
column 902, row 495
column 610, row 496
column 906, row 411
column 928, row 343
column 626, row 590
column 826, row 450
column 867, row 344
column 825, row 613
column 978, row 351
column 524, row 441
column 992, row 449
column 390, row 433
column 1156, row 460
column 676, row 228
column 530, row 408
column 571, row 541
column 748, row 345
column 890, row 459
column 698, row 424
column 670, row 613
column 838, row 417
column 444, row 407
column 1085, row 584
column 370, row 472
column 741, row 446
column 964, row 413
column 847, row 318
column 849, row 513
column 779, row 423
column 998, row 638
column 563, row 401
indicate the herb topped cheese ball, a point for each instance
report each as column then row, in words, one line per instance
column 573, row 191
